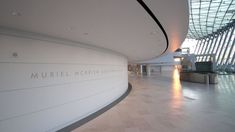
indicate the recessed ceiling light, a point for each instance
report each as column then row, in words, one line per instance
column 15, row 13
column 72, row 28
column 152, row 33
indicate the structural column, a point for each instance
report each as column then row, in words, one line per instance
column 148, row 70
column 226, row 47
column 222, row 45
column 141, row 69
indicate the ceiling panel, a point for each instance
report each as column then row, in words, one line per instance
column 122, row 26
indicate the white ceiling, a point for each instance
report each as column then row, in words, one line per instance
column 123, row 26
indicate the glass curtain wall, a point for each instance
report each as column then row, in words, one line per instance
column 212, row 26
column 222, row 45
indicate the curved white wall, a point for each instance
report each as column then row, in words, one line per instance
column 46, row 85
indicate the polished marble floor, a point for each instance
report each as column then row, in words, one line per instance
column 161, row 103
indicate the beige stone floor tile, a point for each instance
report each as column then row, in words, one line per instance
column 161, row 103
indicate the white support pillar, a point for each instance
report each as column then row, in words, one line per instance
column 141, row 69
column 148, row 70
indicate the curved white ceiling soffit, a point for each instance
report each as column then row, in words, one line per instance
column 135, row 28
column 174, row 17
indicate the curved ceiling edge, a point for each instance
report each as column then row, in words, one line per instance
column 141, row 2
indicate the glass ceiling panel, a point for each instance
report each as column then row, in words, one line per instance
column 208, row 16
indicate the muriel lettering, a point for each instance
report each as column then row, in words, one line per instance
column 47, row 75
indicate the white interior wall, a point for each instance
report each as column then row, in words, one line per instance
column 167, row 58
column 159, row 68
column 46, row 86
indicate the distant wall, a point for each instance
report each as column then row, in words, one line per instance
column 158, row 68
column 45, row 85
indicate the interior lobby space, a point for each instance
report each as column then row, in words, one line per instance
column 162, row 103
column 117, row 65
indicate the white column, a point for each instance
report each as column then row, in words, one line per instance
column 148, row 70
column 141, row 69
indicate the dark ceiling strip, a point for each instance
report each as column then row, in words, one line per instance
column 207, row 17
column 221, row 23
column 200, row 24
column 192, row 20
column 231, row 20
column 216, row 17
column 141, row 2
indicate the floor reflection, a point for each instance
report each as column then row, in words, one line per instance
column 161, row 103
column 176, row 90
column 226, row 84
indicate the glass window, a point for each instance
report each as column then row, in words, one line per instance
column 207, row 16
